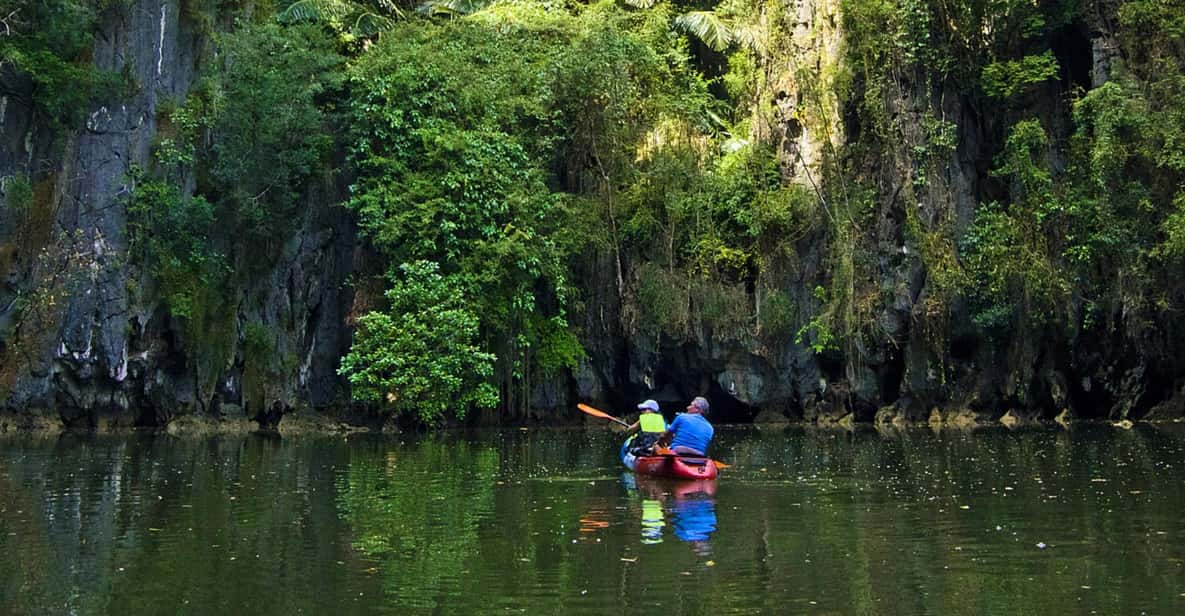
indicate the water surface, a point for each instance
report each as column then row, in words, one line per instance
column 545, row 521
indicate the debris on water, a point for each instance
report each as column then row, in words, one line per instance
column 584, row 592
column 710, row 563
column 629, row 560
column 964, row 506
column 1041, row 545
column 999, row 528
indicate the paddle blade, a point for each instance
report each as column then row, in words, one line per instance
column 598, row 413
column 720, row 464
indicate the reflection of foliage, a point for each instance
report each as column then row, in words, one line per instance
column 418, row 512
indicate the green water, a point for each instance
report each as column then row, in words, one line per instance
column 544, row 521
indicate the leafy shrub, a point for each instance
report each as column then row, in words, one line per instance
column 421, row 354
column 1007, row 79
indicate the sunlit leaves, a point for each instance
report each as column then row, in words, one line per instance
column 420, row 355
column 1006, row 79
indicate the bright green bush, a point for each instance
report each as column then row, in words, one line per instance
column 421, row 355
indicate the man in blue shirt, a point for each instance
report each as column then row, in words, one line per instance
column 690, row 433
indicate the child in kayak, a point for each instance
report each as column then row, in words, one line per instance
column 651, row 425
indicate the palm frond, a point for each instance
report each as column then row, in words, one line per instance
column 707, row 27
column 751, row 36
column 370, row 24
column 316, row 10
column 641, row 4
column 452, row 7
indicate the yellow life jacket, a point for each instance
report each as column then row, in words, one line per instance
column 652, row 422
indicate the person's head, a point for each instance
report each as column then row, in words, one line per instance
column 649, row 406
column 699, row 405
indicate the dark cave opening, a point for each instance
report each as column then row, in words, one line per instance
column 1071, row 46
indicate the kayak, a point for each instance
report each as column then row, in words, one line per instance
column 669, row 465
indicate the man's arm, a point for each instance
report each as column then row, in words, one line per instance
column 666, row 437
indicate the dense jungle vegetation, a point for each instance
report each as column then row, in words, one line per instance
column 487, row 147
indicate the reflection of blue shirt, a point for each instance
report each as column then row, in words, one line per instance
column 692, row 430
column 694, row 519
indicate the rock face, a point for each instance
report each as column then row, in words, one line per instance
column 74, row 335
column 925, row 360
column 79, row 347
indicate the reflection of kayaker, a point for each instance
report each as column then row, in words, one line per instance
column 692, row 508
column 652, row 521
column 694, row 518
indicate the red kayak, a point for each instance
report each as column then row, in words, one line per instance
column 669, row 465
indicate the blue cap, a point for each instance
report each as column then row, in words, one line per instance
column 649, row 405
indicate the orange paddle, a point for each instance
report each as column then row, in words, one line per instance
column 602, row 414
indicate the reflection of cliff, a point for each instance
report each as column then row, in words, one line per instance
column 149, row 524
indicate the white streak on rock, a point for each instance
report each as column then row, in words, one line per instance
column 121, row 371
column 160, row 47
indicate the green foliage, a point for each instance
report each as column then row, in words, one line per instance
column 48, row 42
column 817, row 332
column 1174, row 231
column 18, row 195
column 179, row 135
column 708, row 27
column 1153, row 31
column 465, row 132
column 778, row 313
column 420, row 355
column 269, row 130
column 663, row 301
column 1006, row 79
column 1007, row 251
column 170, row 234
